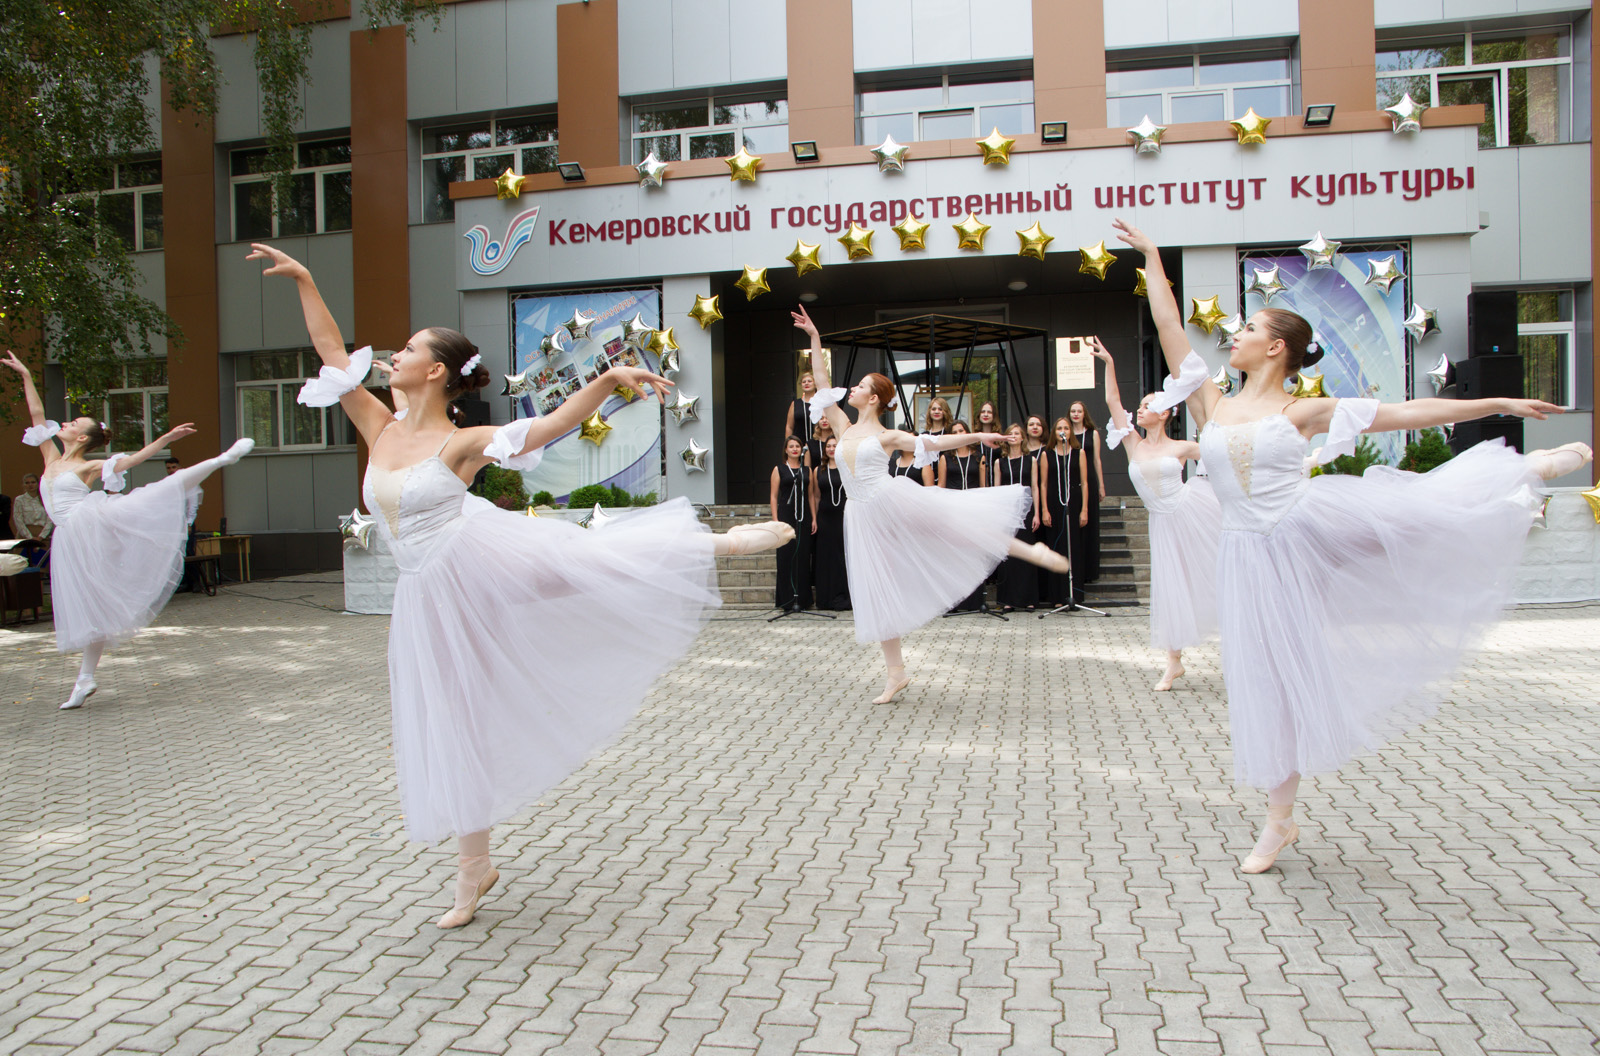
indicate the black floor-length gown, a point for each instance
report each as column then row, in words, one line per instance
column 1064, row 536
column 832, row 582
column 962, row 473
column 794, row 557
column 1019, row 580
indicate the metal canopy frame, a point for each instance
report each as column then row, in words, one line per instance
column 935, row 334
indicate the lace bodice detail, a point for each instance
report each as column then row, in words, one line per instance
column 863, row 466
column 1159, row 482
column 418, row 508
column 61, row 493
column 1257, row 469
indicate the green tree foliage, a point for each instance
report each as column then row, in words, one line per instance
column 74, row 101
column 503, row 484
column 1366, row 454
column 1427, row 451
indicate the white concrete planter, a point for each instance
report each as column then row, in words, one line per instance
column 1561, row 561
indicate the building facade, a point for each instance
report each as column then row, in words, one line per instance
column 1487, row 211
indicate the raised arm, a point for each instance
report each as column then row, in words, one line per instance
column 159, row 444
column 1164, row 310
column 1118, row 413
column 819, row 370
column 48, row 450
column 1315, row 415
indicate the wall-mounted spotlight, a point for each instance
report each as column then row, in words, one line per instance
column 1319, row 115
column 570, row 171
column 1053, row 131
column 805, row 150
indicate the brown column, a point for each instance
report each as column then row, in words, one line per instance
column 822, row 72
column 16, row 458
column 587, row 82
column 1337, row 55
column 1069, row 62
column 188, row 161
column 1594, row 253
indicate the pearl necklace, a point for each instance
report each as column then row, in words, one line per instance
column 798, row 498
column 962, row 460
column 833, row 492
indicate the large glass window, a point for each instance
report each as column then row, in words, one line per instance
column 135, row 405
column 482, row 150
column 1198, row 88
column 947, row 106
column 1545, row 333
column 711, row 127
column 1523, row 78
column 127, row 198
column 267, row 383
column 318, row 200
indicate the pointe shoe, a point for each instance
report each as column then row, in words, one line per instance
column 1260, row 863
column 754, row 538
column 1559, row 461
column 80, row 695
column 1165, row 685
column 463, row 914
column 1040, row 554
column 239, row 449
column 895, row 686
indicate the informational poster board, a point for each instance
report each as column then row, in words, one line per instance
column 1074, row 364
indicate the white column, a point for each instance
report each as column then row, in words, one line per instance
column 700, row 357
column 1208, row 271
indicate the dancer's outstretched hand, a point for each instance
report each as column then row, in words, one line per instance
column 990, row 439
column 16, row 364
column 802, row 322
column 282, row 263
column 178, row 432
column 641, row 381
column 1098, row 351
column 1532, row 408
column 1126, row 232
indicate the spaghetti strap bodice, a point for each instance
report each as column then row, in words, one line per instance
column 62, row 492
column 419, row 506
column 863, row 465
column 1258, row 469
column 1159, row 481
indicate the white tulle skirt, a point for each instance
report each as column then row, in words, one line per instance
column 913, row 552
column 524, row 644
column 1183, row 568
column 1341, row 627
column 114, row 562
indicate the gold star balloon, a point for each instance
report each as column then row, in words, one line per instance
column 805, row 257
column 636, row 333
column 627, row 395
column 743, row 165
column 753, row 282
column 1422, row 322
column 1307, row 386
column 1592, row 497
column 662, row 341
column 706, row 310
column 1383, row 273
column 1266, row 282
column 857, row 241
column 1141, row 286
column 508, row 185
column 519, row 384
column 970, row 233
column 1147, row 136
column 694, row 457
column 996, row 148
column 1406, row 115
column 1320, row 253
column 1223, row 380
column 594, row 429
column 1204, row 313
column 1252, row 127
column 913, row 232
column 891, row 155
column 1034, row 241
column 651, row 170
column 1094, row 260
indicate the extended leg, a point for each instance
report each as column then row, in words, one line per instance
column 1174, row 670
column 1039, row 554
column 896, row 664
column 193, row 476
column 85, row 686
column 1280, row 830
column 752, row 538
column 1559, row 461
column 474, row 877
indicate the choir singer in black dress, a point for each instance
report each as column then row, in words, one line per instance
column 827, row 517
column 790, row 504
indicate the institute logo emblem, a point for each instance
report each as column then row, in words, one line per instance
column 490, row 256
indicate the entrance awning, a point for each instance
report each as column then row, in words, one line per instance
column 932, row 335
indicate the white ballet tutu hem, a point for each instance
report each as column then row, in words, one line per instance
column 1183, row 568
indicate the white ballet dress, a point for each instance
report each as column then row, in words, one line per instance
column 114, row 559
column 1345, row 603
column 1185, row 522
column 911, row 552
column 519, row 645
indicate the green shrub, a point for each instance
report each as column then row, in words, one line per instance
column 543, row 498
column 586, row 497
column 1366, row 455
column 1428, row 450
column 503, row 483
column 648, row 498
column 619, row 497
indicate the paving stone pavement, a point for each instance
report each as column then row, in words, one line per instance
column 1030, row 852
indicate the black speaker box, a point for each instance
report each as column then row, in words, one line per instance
column 474, row 411
column 1505, row 427
column 1492, row 323
column 1483, row 376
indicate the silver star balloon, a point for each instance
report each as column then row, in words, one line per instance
column 636, row 333
column 891, row 155
column 694, row 457
column 1147, row 136
column 651, row 170
column 1406, row 114
column 670, row 365
column 597, row 518
column 685, row 408
column 1223, row 380
column 1320, row 253
column 580, row 324
column 520, row 384
column 1384, row 273
column 1439, row 374
column 555, row 341
column 1422, row 322
column 1229, row 328
column 1266, row 283
column 355, row 530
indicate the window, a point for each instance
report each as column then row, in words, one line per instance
column 135, row 405
column 710, row 127
column 951, row 106
column 127, row 199
column 482, row 150
column 319, row 198
column 1523, row 79
column 1202, row 88
column 267, row 383
column 1544, row 340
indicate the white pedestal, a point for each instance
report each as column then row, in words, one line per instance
column 1561, row 561
column 369, row 578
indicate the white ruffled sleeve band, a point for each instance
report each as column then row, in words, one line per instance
column 36, row 435
column 823, row 400
column 1351, row 418
column 923, row 455
column 1192, row 373
column 325, row 389
column 110, row 479
column 1115, row 436
column 506, row 447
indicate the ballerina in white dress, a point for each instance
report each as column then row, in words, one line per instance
column 114, row 559
column 1185, row 520
column 517, row 645
column 910, row 552
column 1344, row 603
